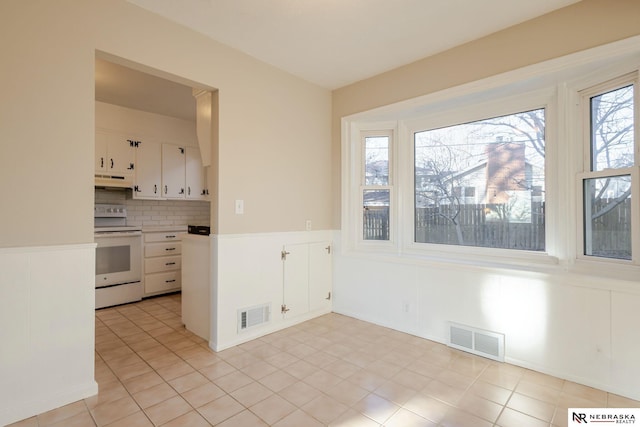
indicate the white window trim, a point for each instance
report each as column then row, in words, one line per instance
column 495, row 108
column 612, row 78
column 352, row 161
column 566, row 76
column 390, row 185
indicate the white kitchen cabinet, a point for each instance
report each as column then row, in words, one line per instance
column 148, row 171
column 183, row 176
column 195, row 178
column 173, row 171
column 114, row 154
column 307, row 278
column 162, row 261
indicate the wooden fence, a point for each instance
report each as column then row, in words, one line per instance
column 475, row 226
column 610, row 233
column 376, row 223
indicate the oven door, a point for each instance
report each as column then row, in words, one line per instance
column 118, row 257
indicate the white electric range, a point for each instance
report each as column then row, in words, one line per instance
column 118, row 257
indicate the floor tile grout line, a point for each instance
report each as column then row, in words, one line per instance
column 330, row 334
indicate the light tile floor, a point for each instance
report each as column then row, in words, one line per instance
column 333, row 370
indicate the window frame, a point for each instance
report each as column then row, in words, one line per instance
column 497, row 107
column 354, row 156
column 607, row 83
column 561, row 79
column 388, row 133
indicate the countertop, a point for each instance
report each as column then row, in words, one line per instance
column 161, row 228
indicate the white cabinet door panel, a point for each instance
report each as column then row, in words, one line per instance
column 320, row 275
column 173, row 171
column 148, row 171
column 296, row 279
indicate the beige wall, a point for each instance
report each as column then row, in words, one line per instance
column 275, row 150
column 580, row 26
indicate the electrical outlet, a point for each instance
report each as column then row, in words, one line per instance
column 239, row 207
column 405, row 306
column 307, row 225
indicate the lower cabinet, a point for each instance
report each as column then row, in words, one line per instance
column 307, row 278
column 162, row 262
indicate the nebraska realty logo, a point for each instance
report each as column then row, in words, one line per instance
column 582, row 416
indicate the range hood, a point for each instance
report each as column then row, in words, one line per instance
column 114, row 181
column 204, row 123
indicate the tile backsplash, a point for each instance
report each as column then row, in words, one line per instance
column 154, row 213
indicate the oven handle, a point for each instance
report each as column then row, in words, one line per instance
column 118, row 234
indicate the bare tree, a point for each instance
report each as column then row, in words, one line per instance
column 612, row 143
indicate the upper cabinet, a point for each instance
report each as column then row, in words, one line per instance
column 114, row 154
column 173, row 171
column 182, row 173
column 153, row 170
column 195, row 179
column 148, row 178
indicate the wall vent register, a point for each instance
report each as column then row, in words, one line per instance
column 477, row 341
column 253, row 316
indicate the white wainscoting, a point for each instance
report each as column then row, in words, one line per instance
column 574, row 327
column 248, row 272
column 47, row 328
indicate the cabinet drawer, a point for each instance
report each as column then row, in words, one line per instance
column 162, row 249
column 160, row 264
column 165, row 236
column 161, row 282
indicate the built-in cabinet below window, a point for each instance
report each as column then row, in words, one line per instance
column 162, row 261
column 307, row 278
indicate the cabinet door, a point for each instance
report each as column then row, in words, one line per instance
column 148, row 169
column 320, row 275
column 120, row 155
column 173, row 171
column 194, row 174
column 296, row 280
column 101, row 152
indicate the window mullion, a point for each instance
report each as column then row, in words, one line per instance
column 635, row 215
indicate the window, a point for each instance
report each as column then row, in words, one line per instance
column 523, row 170
column 376, row 189
column 481, row 183
column 610, row 181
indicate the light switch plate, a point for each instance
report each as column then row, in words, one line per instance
column 239, row 207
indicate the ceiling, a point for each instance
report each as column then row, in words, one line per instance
column 120, row 85
column 331, row 43
column 337, row 42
